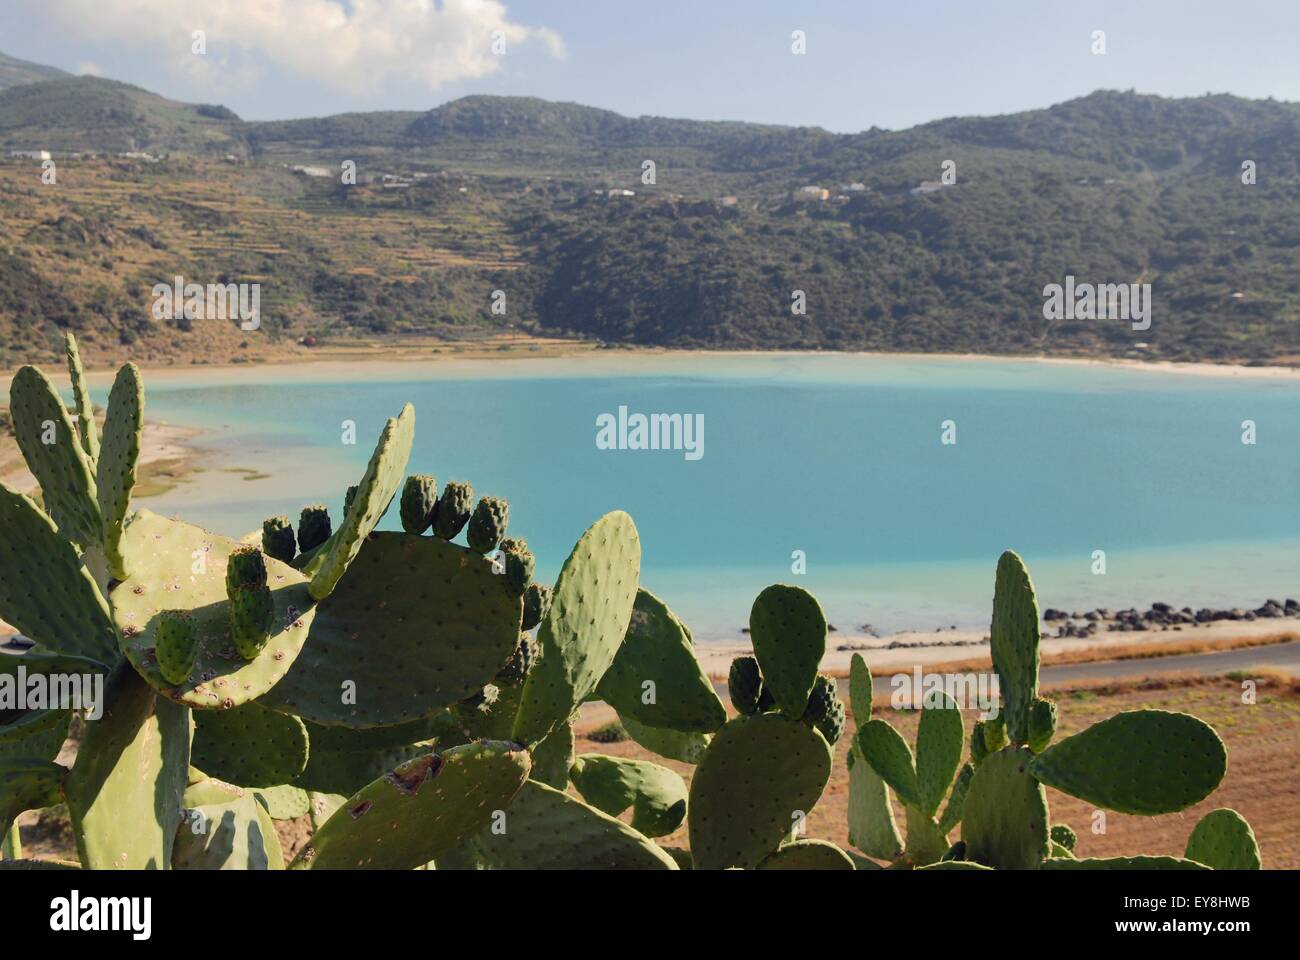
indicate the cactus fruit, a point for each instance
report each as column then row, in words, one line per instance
column 825, row 710
column 1062, row 834
column 516, row 669
column 348, row 496
column 537, row 601
column 313, row 527
column 453, row 509
column 788, row 629
column 419, row 497
column 252, row 610
column 995, row 733
column 278, row 540
column 744, row 685
column 488, row 524
column 176, row 644
column 978, row 749
column 519, row 567
column 1042, row 724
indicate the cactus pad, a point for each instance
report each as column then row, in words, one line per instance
column 759, row 777
column 420, row 625
column 872, row 828
column 590, row 612
column 1004, row 821
column 952, row 813
column 940, row 739
column 249, row 746
column 656, row 794
column 124, row 792
column 808, row 855
column 424, row 807
column 180, row 566
column 553, row 755
column 687, row 747
column 890, row 756
column 546, row 829
column 861, row 691
column 284, row 802
column 1042, row 724
column 1013, row 642
column 1142, row 762
column 61, row 467
column 235, row 835
column 1122, row 863
column 28, row 785
column 341, row 760
column 658, row 651
column 378, row 486
column 788, row 629
column 115, row 468
column 1223, row 840
column 81, row 396
column 45, row 592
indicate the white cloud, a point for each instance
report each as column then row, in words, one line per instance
column 360, row 46
column 88, row 68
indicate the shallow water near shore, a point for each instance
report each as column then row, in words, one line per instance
column 838, row 456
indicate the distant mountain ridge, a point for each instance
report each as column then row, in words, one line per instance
column 554, row 204
column 15, row 72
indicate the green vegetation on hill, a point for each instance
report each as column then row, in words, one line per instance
column 14, row 72
column 510, row 194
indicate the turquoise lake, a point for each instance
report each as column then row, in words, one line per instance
column 836, row 456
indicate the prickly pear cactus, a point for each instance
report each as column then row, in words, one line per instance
column 419, row 497
column 176, row 644
column 453, row 510
column 115, row 465
column 488, row 524
column 1223, row 840
column 744, row 685
column 808, row 855
column 656, row 794
column 1005, row 821
column 278, row 539
column 249, row 746
column 788, row 630
column 1014, row 643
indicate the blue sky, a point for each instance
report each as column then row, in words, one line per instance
column 867, row 63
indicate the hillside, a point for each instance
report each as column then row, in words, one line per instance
column 510, row 194
column 14, row 72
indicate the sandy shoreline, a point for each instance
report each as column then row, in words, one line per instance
column 383, row 363
column 159, row 442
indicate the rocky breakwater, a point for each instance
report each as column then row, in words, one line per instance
column 1160, row 616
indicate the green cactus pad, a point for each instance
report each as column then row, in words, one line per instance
column 758, row 775
column 424, row 807
column 744, row 685
column 284, row 802
column 34, row 735
column 116, row 465
column 788, row 629
column 453, row 510
column 1143, row 762
column 808, row 855
column 553, row 755
column 656, row 794
column 28, row 785
column 86, row 429
column 1122, row 863
column 168, row 557
column 1013, row 641
column 954, row 865
column 591, row 608
column 1042, row 724
column 421, row 624
column 952, row 813
column 872, row 828
column 1058, row 851
column 926, row 843
column 658, row 650
column 419, row 497
column 237, row 835
column 277, row 539
column 249, row 746
column 940, row 739
column 45, row 592
column 546, row 829
column 1223, row 840
column 61, row 467
column 378, row 486
column 861, row 691
column 995, row 733
column 342, row 760
column 124, row 792
column 890, row 756
column 1004, row 820
column 688, row 747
